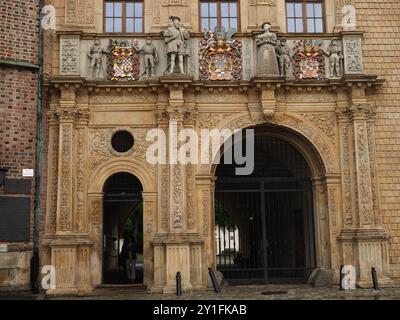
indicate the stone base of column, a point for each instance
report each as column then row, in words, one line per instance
column 322, row 278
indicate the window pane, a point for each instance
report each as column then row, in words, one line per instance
column 129, row 10
column 213, row 9
column 318, row 10
column 298, row 10
column 233, row 12
column 310, row 10
column 225, row 23
column 224, row 9
column 290, row 10
column 204, row 9
column 129, row 25
column 109, row 25
column 109, row 9
column 139, row 9
column 117, row 25
column 204, row 25
column 118, row 9
column 310, row 25
column 299, row 25
column 139, row 25
column 291, row 25
column 319, row 26
column 233, row 23
column 213, row 23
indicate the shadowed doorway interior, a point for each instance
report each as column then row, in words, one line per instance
column 123, row 224
column 264, row 221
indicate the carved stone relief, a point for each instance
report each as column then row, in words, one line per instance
column 325, row 121
column 79, row 12
column 352, row 55
column 69, row 56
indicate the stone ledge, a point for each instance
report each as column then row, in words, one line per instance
column 366, row 234
column 178, row 239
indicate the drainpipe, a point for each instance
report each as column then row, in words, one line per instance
column 37, row 208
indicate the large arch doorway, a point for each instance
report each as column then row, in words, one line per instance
column 122, row 230
column 264, row 221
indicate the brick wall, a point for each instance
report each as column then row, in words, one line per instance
column 19, row 41
column 380, row 21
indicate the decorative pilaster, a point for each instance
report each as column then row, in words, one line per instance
column 365, row 203
column 365, row 242
column 95, row 212
column 52, row 170
column 149, row 230
column 81, row 136
column 66, row 115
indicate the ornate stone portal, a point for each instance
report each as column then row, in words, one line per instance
column 178, row 200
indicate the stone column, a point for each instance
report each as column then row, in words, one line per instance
column 95, row 227
column 205, row 204
column 80, row 169
column 52, row 169
column 66, row 115
column 365, row 241
column 324, row 274
column 149, row 230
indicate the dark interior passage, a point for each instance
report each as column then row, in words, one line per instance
column 122, row 230
column 264, row 221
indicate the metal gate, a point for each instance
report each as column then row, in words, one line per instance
column 264, row 229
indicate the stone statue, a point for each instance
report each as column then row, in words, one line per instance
column 267, row 63
column 335, row 56
column 283, row 53
column 150, row 57
column 175, row 37
column 95, row 56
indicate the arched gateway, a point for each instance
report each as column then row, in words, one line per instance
column 266, row 222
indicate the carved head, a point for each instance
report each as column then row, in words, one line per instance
column 176, row 21
column 97, row 42
column 282, row 41
column 149, row 41
column 266, row 26
column 334, row 42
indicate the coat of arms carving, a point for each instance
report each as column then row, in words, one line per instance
column 123, row 60
column 220, row 56
column 308, row 60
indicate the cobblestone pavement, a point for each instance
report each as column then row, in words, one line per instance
column 248, row 292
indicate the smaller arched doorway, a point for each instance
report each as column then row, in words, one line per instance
column 265, row 221
column 122, row 230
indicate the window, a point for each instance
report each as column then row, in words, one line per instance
column 305, row 16
column 123, row 16
column 219, row 14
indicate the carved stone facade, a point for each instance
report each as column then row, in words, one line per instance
column 330, row 119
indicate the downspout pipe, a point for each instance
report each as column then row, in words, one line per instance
column 35, row 263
